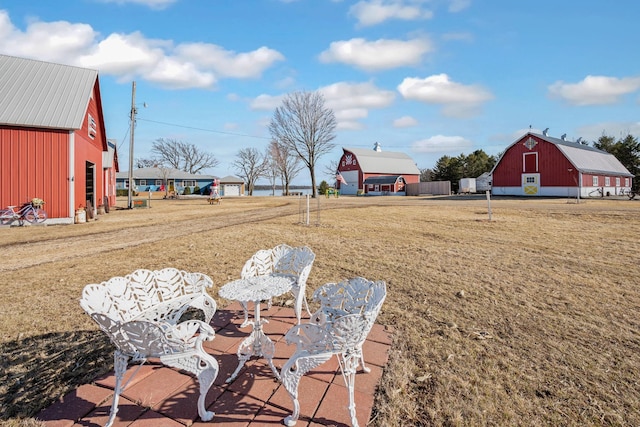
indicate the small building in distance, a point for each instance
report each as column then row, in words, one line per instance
column 376, row 172
column 53, row 141
column 540, row 165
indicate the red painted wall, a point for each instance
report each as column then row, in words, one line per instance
column 552, row 165
column 35, row 163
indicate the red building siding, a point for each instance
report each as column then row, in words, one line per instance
column 544, row 158
column 35, row 163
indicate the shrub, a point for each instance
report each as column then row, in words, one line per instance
column 323, row 187
column 196, row 190
column 187, row 191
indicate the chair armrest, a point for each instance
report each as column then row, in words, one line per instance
column 191, row 331
column 310, row 337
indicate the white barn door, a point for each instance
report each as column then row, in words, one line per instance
column 351, row 187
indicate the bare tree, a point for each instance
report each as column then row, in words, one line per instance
column 286, row 162
column 183, row 155
column 147, row 163
column 331, row 170
column 305, row 126
column 250, row 165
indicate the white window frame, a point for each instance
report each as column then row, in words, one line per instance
column 594, row 181
column 617, row 181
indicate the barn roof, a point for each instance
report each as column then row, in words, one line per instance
column 43, row 94
column 162, row 173
column 387, row 162
column 584, row 158
column 383, row 179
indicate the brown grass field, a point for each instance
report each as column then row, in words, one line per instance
column 530, row 319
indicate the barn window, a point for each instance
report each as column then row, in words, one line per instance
column 188, row 183
column 607, row 181
column 157, row 182
column 143, row 182
column 91, row 124
column 595, row 181
column 626, row 182
column 531, row 180
column 617, row 181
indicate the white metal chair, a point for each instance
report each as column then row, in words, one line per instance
column 295, row 262
column 141, row 315
column 347, row 313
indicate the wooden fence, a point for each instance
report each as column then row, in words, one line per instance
column 435, row 188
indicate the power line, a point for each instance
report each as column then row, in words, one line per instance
column 203, row 129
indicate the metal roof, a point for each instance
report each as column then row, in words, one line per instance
column 43, row 94
column 387, row 162
column 384, row 179
column 162, row 173
column 586, row 158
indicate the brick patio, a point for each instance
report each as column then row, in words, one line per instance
column 159, row 396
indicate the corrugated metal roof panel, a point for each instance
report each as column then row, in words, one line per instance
column 43, row 94
column 387, row 162
column 593, row 161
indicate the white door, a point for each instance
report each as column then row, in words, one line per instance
column 351, row 187
column 231, row 190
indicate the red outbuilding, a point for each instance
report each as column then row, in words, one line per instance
column 375, row 172
column 540, row 165
column 53, row 143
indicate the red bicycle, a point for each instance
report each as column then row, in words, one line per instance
column 27, row 212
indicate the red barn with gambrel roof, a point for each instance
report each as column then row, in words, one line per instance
column 53, row 143
column 376, row 172
column 539, row 165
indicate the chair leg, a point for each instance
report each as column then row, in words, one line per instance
column 245, row 307
column 290, row 375
column 365, row 368
column 120, row 361
column 349, row 365
column 203, row 366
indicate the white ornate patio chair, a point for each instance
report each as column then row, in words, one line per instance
column 284, row 260
column 141, row 315
column 347, row 313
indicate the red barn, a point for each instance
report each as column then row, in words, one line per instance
column 376, row 172
column 53, row 143
column 539, row 165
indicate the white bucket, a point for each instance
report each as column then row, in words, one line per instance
column 81, row 216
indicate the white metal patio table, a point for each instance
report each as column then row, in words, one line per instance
column 256, row 289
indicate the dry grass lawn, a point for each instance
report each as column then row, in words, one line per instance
column 530, row 319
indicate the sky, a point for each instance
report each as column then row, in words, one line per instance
column 428, row 78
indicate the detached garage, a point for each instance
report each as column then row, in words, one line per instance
column 540, row 165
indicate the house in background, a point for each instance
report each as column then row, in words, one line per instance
column 160, row 178
column 376, row 172
column 52, row 138
column 540, row 165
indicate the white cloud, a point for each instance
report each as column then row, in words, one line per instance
column 350, row 102
column 228, row 63
column 46, row 41
column 458, row 5
column 373, row 12
column 441, row 144
column 129, row 56
column 615, row 129
column 153, row 4
column 405, row 122
column 266, row 102
column 381, row 54
column 595, row 90
column 456, row 99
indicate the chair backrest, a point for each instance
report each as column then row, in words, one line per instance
column 296, row 262
column 125, row 298
column 349, row 309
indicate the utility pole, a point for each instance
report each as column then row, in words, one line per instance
column 133, row 126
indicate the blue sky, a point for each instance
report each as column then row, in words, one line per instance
column 425, row 77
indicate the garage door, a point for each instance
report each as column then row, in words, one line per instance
column 351, row 187
column 231, row 190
